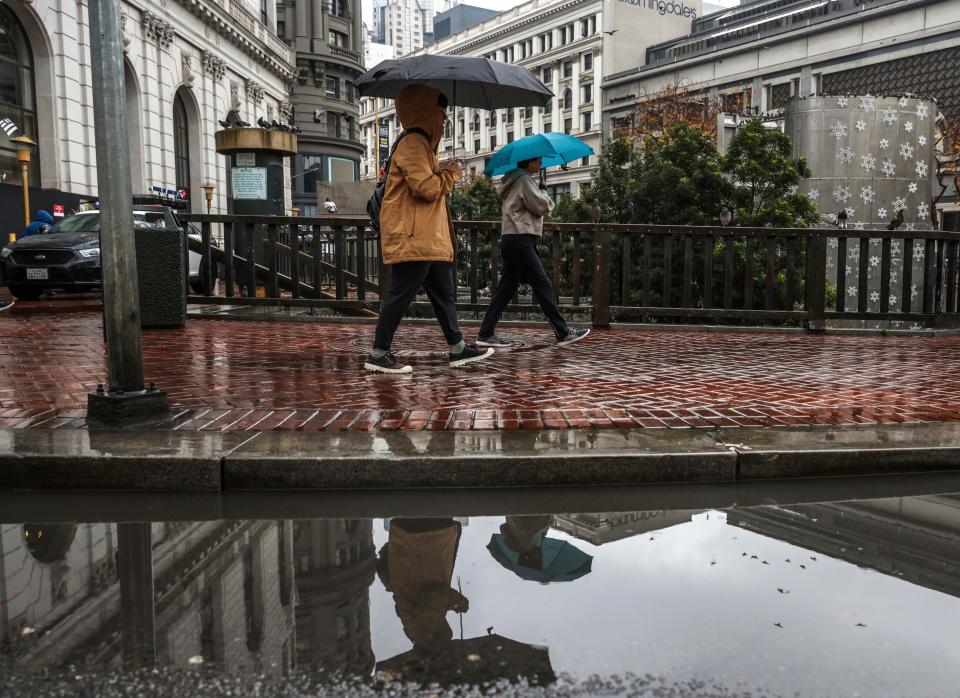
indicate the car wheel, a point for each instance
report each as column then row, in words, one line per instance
column 202, row 286
column 26, row 293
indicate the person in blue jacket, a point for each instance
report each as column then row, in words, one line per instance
column 41, row 223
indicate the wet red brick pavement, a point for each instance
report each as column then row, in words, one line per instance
column 239, row 375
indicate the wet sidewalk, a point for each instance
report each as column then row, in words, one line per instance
column 233, row 376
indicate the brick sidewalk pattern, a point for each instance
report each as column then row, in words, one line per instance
column 235, row 375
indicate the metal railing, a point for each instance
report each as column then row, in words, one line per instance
column 614, row 273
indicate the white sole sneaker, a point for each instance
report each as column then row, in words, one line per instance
column 574, row 340
column 463, row 362
column 484, row 345
column 383, row 369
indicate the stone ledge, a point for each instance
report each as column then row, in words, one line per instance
column 78, row 459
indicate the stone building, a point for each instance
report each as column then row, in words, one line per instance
column 328, row 39
column 187, row 62
column 400, row 24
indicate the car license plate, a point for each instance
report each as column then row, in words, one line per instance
column 38, row 274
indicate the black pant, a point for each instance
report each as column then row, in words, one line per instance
column 436, row 278
column 521, row 264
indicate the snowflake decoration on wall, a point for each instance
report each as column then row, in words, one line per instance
column 851, row 291
column 867, row 195
column 882, row 212
column 911, row 227
column 908, row 126
column 842, row 102
column 841, row 195
column 921, row 168
column 849, row 211
column 868, row 103
column 899, row 204
column 889, row 169
column 906, row 151
column 922, row 111
column 793, row 189
column 895, row 245
column 903, row 102
column 875, row 296
column 854, row 252
column 923, row 210
column 858, row 225
column 892, row 300
column 913, row 294
column 814, row 194
column 861, row 124
column 888, row 116
column 893, row 277
column 918, row 252
column 832, row 242
column 838, row 130
column 912, row 187
column 922, row 140
column 846, row 155
column 868, row 162
column 884, row 144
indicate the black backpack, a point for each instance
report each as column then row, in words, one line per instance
column 376, row 199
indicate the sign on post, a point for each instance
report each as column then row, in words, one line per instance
column 249, row 183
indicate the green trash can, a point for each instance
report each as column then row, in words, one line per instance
column 160, row 272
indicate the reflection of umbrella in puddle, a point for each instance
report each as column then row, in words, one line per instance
column 477, row 660
column 551, row 560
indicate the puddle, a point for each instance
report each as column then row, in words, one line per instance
column 832, row 599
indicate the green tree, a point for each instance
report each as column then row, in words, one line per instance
column 765, row 177
column 475, row 200
column 609, row 186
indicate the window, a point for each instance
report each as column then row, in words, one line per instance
column 510, row 116
column 281, row 21
column 588, row 61
column 333, row 87
column 568, row 69
column 338, row 8
column 311, row 172
column 351, row 129
column 493, row 142
column 476, row 123
column 333, row 125
column 493, row 119
column 568, row 98
column 586, row 95
column 341, row 170
column 181, row 144
column 350, row 97
column 586, row 121
column 555, row 191
column 338, row 39
column 509, row 136
column 585, row 162
column 567, row 125
column 476, row 145
column 264, row 18
column 528, row 131
column 547, row 75
column 546, row 127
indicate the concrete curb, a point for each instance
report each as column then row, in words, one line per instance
column 40, row 459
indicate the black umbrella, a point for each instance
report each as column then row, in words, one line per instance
column 466, row 81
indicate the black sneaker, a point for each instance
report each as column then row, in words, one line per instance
column 573, row 336
column 387, row 363
column 469, row 354
column 492, row 341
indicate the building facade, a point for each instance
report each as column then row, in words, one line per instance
column 328, row 40
column 457, row 19
column 400, row 24
column 759, row 55
column 186, row 63
column 561, row 42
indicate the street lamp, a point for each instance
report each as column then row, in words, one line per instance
column 25, row 146
column 208, row 190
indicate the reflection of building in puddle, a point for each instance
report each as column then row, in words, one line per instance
column 335, row 564
column 916, row 539
column 606, row 528
column 221, row 590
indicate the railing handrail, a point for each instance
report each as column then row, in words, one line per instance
column 633, row 228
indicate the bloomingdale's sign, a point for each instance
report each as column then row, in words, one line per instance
column 664, row 8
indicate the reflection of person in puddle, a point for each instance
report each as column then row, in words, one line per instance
column 416, row 565
column 524, row 535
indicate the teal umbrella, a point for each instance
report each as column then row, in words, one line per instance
column 554, row 148
column 551, row 561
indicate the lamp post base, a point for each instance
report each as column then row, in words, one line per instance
column 118, row 409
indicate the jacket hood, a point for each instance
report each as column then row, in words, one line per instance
column 509, row 179
column 416, row 106
column 43, row 217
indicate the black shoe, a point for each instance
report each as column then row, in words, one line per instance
column 493, row 341
column 387, row 363
column 572, row 336
column 469, row 354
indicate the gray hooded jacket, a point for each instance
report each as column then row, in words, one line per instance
column 524, row 204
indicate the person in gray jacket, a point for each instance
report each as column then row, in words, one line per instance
column 524, row 206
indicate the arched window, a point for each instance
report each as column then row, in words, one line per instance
column 17, row 95
column 476, row 122
column 568, row 99
column 181, row 143
column 447, row 130
column 493, row 118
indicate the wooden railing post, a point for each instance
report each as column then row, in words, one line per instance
column 601, row 277
column 816, row 282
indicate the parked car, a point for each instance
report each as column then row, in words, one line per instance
column 68, row 256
